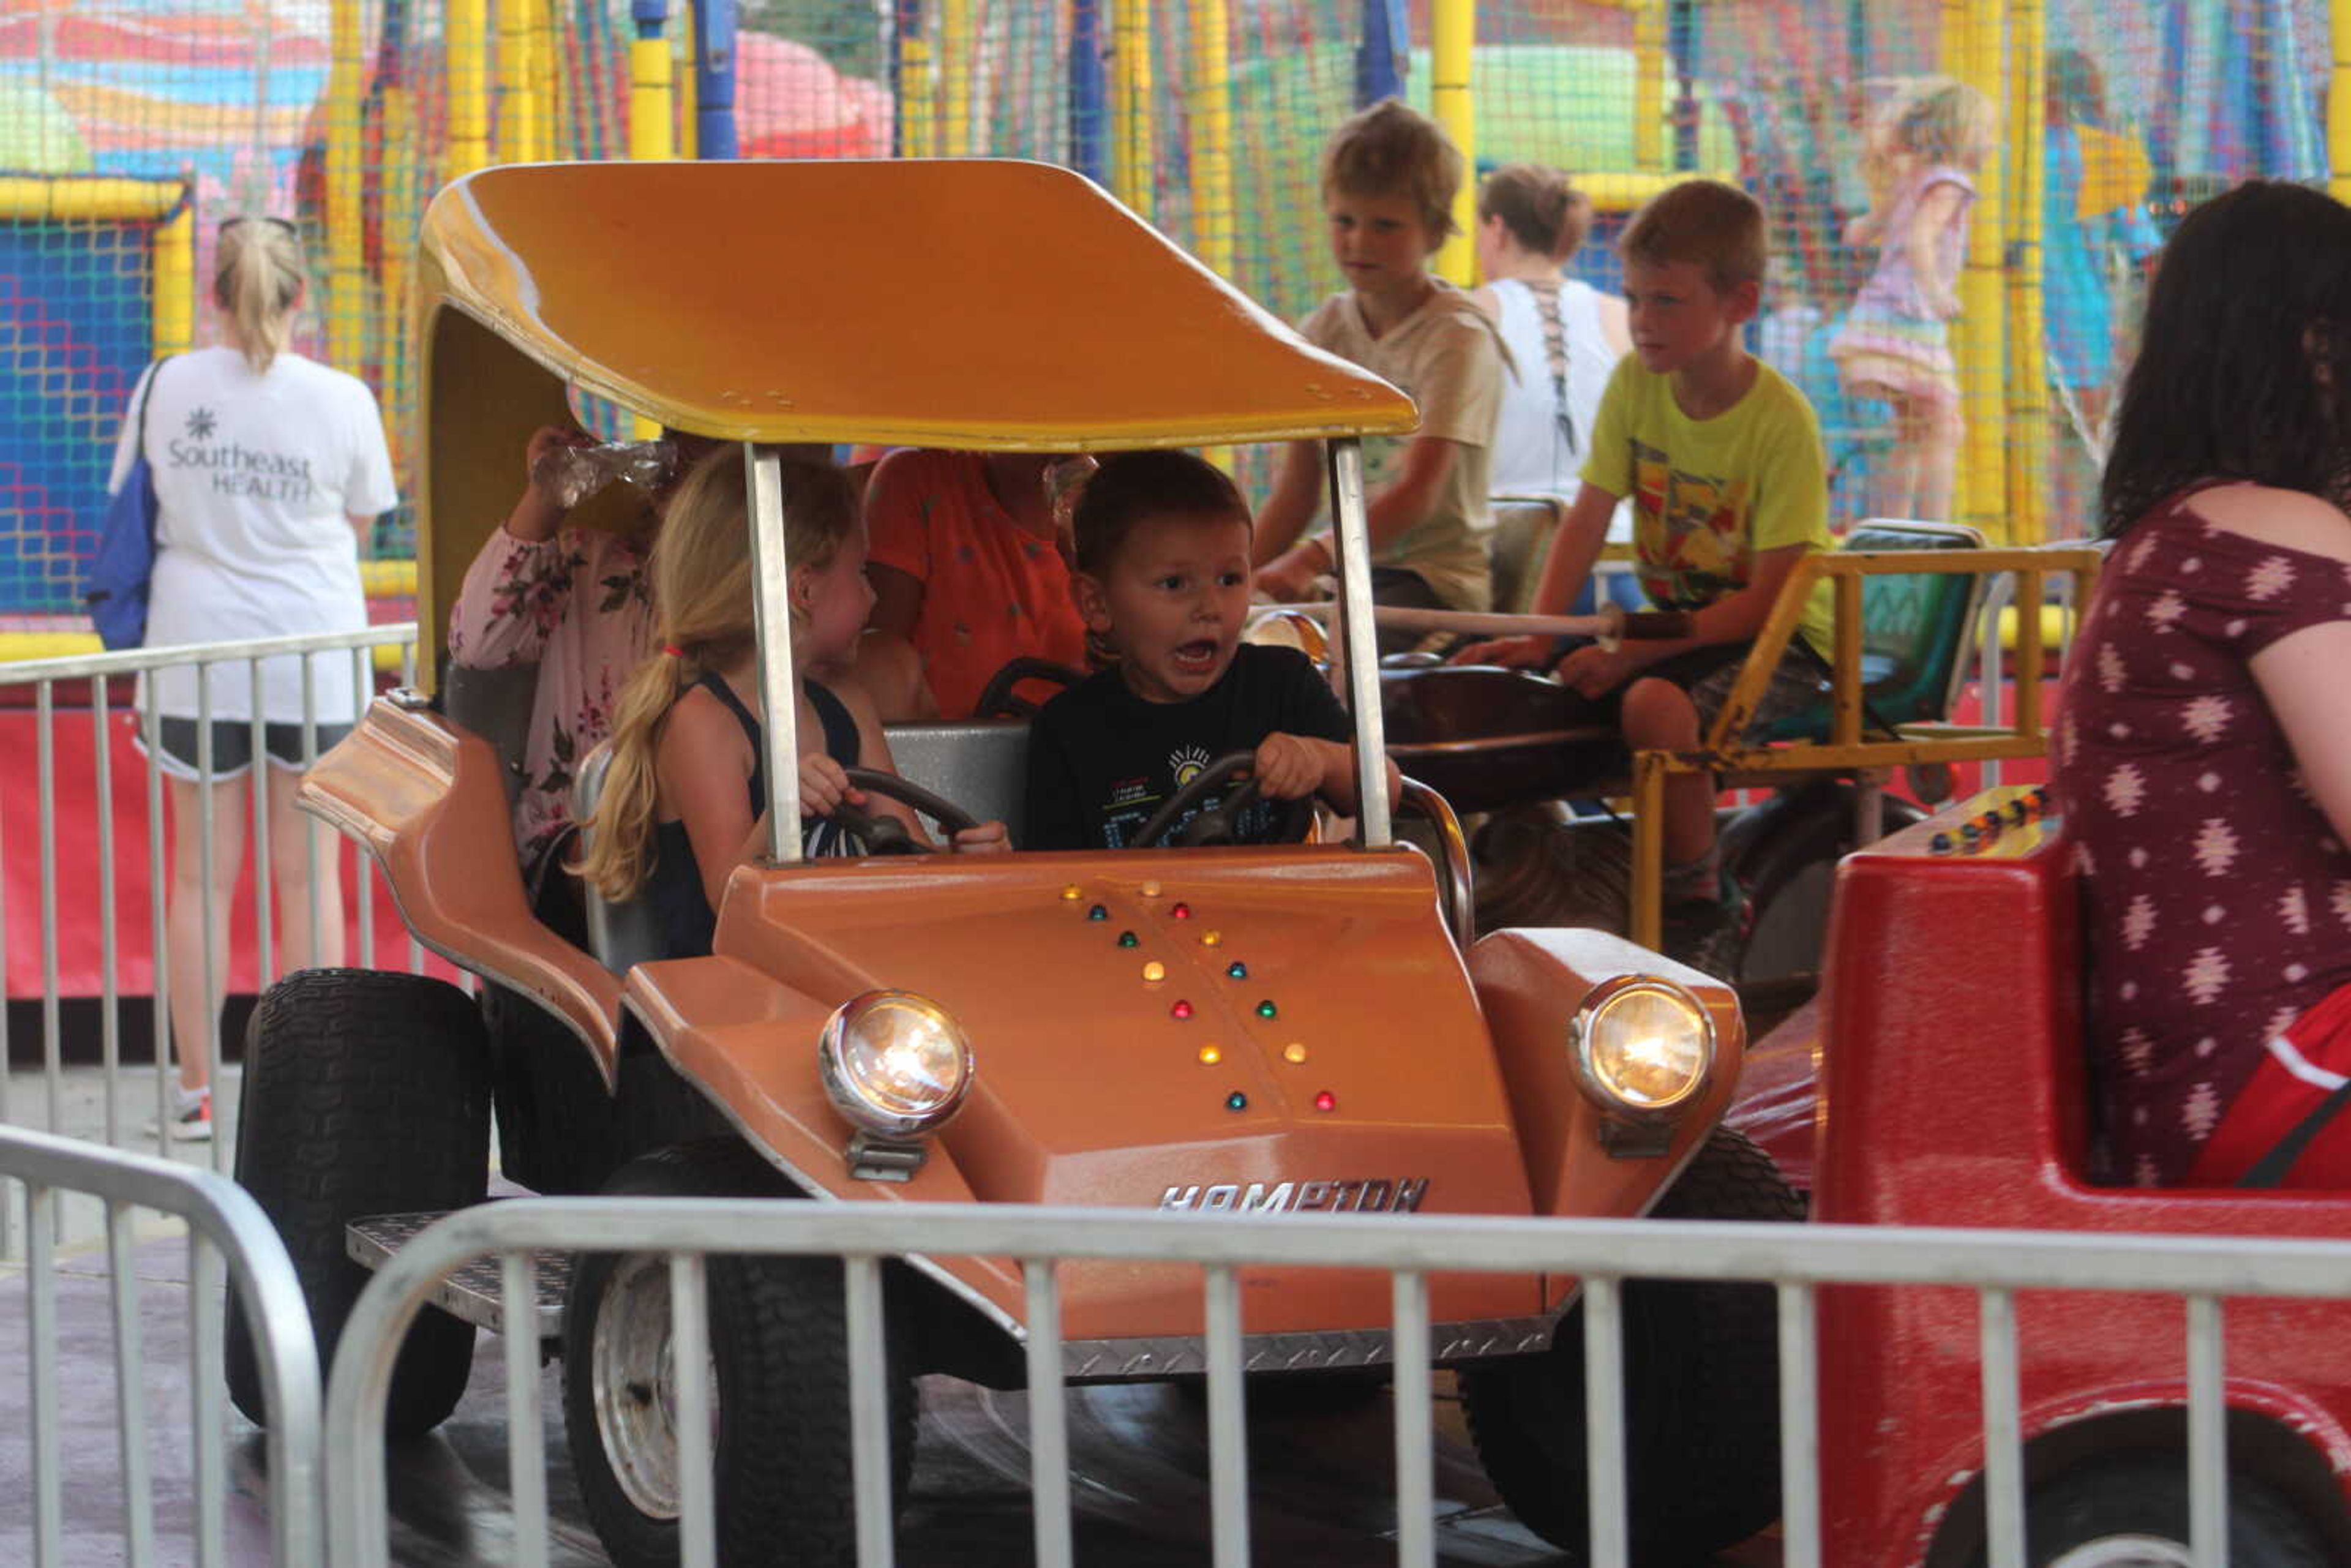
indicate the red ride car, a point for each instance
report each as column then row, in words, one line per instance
column 1953, row 1092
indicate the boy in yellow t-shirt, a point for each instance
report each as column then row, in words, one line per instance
column 1721, row 456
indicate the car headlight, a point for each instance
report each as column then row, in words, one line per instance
column 1642, row 1046
column 894, row 1064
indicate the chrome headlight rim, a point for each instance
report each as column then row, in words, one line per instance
column 842, row 1083
column 1595, row 1083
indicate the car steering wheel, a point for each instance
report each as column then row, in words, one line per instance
column 882, row 834
column 997, row 699
column 1215, row 826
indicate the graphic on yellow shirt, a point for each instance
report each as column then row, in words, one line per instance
column 1689, row 531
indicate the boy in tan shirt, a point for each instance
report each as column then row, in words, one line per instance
column 1389, row 176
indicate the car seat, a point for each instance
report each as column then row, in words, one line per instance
column 1914, row 632
column 1523, row 527
column 981, row 764
column 495, row 705
column 621, row 933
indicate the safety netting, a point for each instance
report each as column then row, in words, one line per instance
column 129, row 129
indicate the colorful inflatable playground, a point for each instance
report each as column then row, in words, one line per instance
column 129, row 128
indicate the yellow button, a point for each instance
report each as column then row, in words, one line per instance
column 1154, row 970
column 1212, row 938
column 1071, row 892
column 1210, row 1056
column 1150, row 890
column 1293, row 1052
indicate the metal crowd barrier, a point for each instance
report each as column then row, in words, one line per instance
column 1797, row 1259
column 68, row 892
column 229, row 1239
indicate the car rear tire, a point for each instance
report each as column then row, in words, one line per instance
column 1785, row 851
column 1702, row 1392
column 779, row 1371
column 1532, row 869
column 2132, row 1512
column 365, row 1093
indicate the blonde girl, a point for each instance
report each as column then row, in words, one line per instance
column 684, row 796
column 268, row 470
column 1924, row 148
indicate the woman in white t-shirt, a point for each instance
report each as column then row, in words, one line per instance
column 267, row 469
column 1565, row 336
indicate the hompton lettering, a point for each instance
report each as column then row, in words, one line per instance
column 1369, row 1196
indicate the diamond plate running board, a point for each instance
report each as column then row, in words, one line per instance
column 473, row 1292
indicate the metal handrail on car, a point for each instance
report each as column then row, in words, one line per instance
column 1723, row 751
column 226, row 1228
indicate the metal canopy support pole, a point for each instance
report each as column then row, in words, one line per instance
column 763, row 475
column 1357, row 641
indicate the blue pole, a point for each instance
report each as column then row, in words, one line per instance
column 1385, row 55
column 713, row 77
column 1088, row 93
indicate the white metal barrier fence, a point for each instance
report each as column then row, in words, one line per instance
column 1797, row 1259
column 76, row 896
column 230, row 1240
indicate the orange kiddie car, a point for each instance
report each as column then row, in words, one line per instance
column 1266, row 1029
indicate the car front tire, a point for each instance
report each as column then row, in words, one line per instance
column 1702, row 1392
column 779, row 1372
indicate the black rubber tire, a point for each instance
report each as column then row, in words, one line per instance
column 1701, row 1393
column 365, row 1092
column 779, row 1340
column 2146, row 1494
column 1784, row 852
column 658, row 1108
column 559, row 1129
column 1580, row 873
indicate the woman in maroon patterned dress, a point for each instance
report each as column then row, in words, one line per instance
column 2204, row 738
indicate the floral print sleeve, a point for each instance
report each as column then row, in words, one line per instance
column 579, row 606
column 513, row 595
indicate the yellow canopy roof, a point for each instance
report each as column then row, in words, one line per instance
column 975, row 304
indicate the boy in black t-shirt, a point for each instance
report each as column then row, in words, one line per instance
column 1163, row 577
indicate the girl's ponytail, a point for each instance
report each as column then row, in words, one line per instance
column 701, row 575
column 259, row 281
column 620, row 847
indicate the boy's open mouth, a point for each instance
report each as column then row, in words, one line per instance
column 1196, row 657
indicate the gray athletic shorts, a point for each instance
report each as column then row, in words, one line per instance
column 233, row 746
